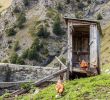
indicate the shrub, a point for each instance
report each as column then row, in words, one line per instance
column 63, row 60
column 81, row 6
column 13, row 58
column 32, row 54
column 57, row 27
column 51, row 12
column 26, row 2
column 10, row 32
column 89, row 1
column 16, row 46
column 16, row 10
column 25, row 54
column 36, row 44
column 68, row 1
column 33, row 51
column 20, row 61
column 5, row 61
column 0, row 6
column 78, row 0
column 43, row 32
column 59, row 7
column 79, row 14
column 99, row 17
column 21, row 20
column 26, row 86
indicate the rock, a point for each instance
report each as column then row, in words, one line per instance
column 36, row 91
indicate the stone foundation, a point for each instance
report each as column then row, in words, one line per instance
column 14, row 73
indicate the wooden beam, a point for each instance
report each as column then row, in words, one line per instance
column 70, row 55
column 67, row 73
column 49, row 77
column 60, row 62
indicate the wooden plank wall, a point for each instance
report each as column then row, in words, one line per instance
column 93, row 45
column 70, row 29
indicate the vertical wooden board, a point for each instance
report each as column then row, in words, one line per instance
column 70, row 27
column 93, row 45
column 98, row 51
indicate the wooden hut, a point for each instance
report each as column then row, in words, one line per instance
column 83, row 44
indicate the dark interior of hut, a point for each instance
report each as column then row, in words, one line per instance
column 80, row 40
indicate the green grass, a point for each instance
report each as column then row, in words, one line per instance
column 93, row 88
column 105, row 41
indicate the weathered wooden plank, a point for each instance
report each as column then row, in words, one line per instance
column 93, row 45
column 49, row 77
column 98, row 52
column 67, row 73
column 70, row 56
column 60, row 62
column 79, row 70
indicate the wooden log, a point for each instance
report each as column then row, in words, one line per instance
column 49, row 77
column 19, row 92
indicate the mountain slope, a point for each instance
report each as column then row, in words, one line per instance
column 35, row 14
column 80, row 89
column 4, row 4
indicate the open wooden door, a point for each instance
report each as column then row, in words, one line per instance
column 93, row 48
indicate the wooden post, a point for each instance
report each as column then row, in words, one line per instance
column 93, row 47
column 98, row 52
column 70, row 28
column 62, row 75
column 68, row 72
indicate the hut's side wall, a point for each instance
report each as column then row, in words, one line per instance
column 70, row 45
column 94, row 49
column 98, row 51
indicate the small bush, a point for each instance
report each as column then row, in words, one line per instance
column 43, row 32
column 59, row 7
column 25, row 54
column 13, row 58
column 78, row 0
column 57, row 29
column 26, row 2
column 21, row 20
column 20, row 61
column 16, row 10
column 81, row 6
column 51, row 12
column 26, row 86
column 68, row 1
column 5, row 61
column 10, row 32
column 36, row 44
column 99, row 17
column 89, row 1
column 32, row 54
column 5, row 95
column 0, row 6
column 16, row 46
column 34, row 49
column 79, row 14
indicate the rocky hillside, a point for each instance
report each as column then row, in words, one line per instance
column 4, row 4
column 33, row 31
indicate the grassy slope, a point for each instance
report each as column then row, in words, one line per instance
column 4, row 4
column 93, row 88
column 105, row 49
